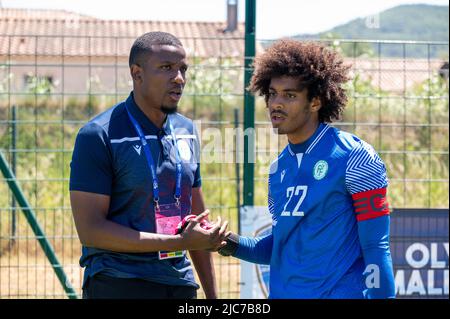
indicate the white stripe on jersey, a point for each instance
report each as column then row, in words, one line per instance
column 365, row 170
column 131, row 139
column 271, row 202
column 148, row 137
column 290, row 150
column 299, row 159
column 317, row 139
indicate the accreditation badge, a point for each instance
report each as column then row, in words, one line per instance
column 168, row 216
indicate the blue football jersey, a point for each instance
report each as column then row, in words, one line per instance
column 318, row 244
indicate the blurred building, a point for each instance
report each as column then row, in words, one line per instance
column 76, row 53
column 39, row 42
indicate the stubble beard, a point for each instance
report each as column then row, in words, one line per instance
column 169, row 109
column 277, row 131
column 293, row 129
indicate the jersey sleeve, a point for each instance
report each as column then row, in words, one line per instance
column 367, row 183
column 257, row 250
column 91, row 166
column 365, row 170
column 270, row 200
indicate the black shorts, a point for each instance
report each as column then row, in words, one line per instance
column 106, row 287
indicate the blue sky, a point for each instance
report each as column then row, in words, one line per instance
column 275, row 18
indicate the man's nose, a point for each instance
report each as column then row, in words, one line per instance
column 179, row 78
column 275, row 103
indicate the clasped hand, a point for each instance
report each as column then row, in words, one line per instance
column 210, row 238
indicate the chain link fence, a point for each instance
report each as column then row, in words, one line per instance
column 398, row 104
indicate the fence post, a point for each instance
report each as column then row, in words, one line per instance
column 249, row 104
column 36, row 228
column 13, row 167
column 237, row 166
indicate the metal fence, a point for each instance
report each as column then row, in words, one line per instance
column 399, row 105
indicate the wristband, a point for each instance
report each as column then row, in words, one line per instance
column 232, row 245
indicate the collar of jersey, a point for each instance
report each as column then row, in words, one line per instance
column 303, row 147
column 143, row 120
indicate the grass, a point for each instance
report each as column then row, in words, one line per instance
column 26, row 273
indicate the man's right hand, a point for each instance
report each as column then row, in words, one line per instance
column 95, row 230
column 194, row 237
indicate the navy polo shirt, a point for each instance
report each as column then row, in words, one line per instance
column 108, row 159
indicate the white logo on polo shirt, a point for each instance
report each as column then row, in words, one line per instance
column 282, row 175
column 184, row 150
column 137, row 148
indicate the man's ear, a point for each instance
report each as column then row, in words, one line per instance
column 136, row 73
column 316, row 104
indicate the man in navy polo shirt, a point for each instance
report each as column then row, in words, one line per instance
column 135, row 175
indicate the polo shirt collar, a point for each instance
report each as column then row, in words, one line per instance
column 144, row 121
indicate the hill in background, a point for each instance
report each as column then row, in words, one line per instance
column 406, row 22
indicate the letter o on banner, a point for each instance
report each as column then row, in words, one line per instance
column 409, row 255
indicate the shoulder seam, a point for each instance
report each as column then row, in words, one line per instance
column 113, row 116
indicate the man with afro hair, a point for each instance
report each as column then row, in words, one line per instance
column 327, row 188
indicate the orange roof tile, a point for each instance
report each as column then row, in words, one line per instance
column 56, row 32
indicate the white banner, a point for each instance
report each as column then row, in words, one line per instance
column 255, row 221
column 419, row 247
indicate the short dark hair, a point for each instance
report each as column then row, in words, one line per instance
column 320, row 70
column 143, row 45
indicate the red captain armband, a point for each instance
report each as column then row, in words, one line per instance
column 370, row 204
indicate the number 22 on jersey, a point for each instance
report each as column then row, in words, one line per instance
column 295, row 193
